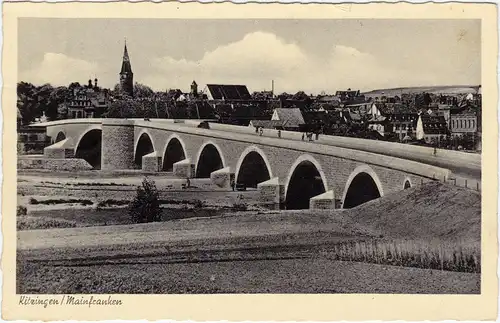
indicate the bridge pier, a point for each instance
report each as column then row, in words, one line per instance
column 117, row 150
column 151, row 162
column 323, row 201
column 271, row 193
column 184, row 169
column 222, row 177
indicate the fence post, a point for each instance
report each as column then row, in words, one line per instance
column 455, row 180
column 465, row 183
column 477, row 185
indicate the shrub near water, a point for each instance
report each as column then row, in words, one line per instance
column 461, row 256
column 146, row 205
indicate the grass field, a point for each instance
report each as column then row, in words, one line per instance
column 379, row 247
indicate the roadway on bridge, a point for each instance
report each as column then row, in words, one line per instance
column 350, row 148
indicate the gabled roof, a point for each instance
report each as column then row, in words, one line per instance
column 434, row 124
column 291, row 116
column 229, row 92
column 355, row 116
column 268, row 124
column 328, row 98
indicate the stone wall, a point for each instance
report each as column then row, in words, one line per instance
column 65, row 164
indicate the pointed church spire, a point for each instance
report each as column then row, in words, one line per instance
column 126, row 67
column 126, row 75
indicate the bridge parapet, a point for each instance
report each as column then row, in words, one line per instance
column 405, row 165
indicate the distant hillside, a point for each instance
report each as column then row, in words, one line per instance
column 451, row 89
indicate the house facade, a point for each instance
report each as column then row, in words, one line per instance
column 87, row 102
column 463, row 123
column 430, row 128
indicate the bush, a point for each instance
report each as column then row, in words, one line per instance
column 21, row 210
column 60, row 201
column 112, row 202
column 146, row 206
column 198, row 204
column 239, row 207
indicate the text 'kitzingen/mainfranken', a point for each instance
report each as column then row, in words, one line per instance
column 68, row 300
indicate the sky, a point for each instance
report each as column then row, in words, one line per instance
column 315, row 56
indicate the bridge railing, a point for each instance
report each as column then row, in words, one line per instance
column 469, row 183
column 469, row 160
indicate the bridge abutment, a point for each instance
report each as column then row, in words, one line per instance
column 117, row 144
column 222, row 177
column 323, row 201
column 184, row 169
column 271, row 193
column 151, row 163
column 60, row 150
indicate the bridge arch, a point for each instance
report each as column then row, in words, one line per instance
column 209, row 159
column 253, row 167
column 143, row 146
column 363, row 185
column 306, row 179
column 407, row 183
column 60, row 136
column 175, row 151
column 89, row 145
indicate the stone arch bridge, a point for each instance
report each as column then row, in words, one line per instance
column 289, row 172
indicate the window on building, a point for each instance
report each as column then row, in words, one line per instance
column 473, row 125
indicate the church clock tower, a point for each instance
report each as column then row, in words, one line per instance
column 126, row 75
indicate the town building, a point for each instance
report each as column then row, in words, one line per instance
column 350, row 97
column 30, row 140
column 431, row 128
column 231, row 93
column 291, row 118
column 403, row 124
column 463, row 123
column 87, row 101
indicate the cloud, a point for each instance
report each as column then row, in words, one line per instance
column 260, row 57
column 254, row 60
column 59, row 69
column 257, row 59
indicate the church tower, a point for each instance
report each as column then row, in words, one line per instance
column 126, row 75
